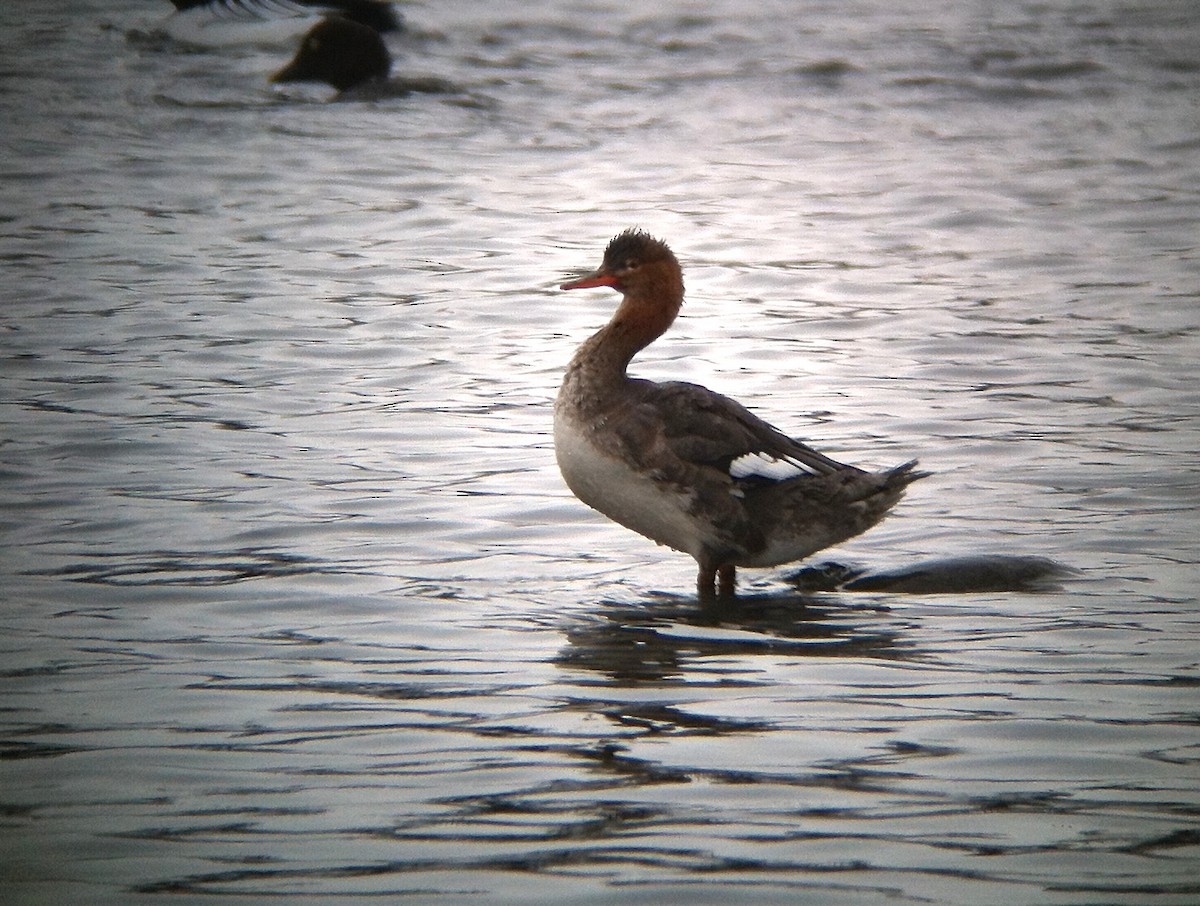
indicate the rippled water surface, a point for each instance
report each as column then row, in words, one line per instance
column 295, row 604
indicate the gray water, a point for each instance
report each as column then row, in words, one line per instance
column 296, row 606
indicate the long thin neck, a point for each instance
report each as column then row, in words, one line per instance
column 641, row 318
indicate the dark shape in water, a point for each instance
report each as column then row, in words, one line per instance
column 375, row 14
column 979, row 573
column 354, row 60
column 340, row 53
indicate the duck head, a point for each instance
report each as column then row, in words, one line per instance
column 340, row 53
column 633, row 261
column 648, row 276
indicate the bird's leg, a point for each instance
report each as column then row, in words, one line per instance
column 716, row 580
column 711, row 569
column 727, row 581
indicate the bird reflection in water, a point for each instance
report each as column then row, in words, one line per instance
column 666, row 636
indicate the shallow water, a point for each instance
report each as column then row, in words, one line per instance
column 296, row 604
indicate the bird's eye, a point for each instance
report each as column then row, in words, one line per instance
column 631, row 264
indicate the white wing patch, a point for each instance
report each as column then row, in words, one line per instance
column 770, row 468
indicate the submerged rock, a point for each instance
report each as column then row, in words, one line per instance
column 953, row 575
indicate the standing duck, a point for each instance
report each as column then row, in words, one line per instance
column 676, row 461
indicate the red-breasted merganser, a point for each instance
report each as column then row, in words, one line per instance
column 340, row 53
column 674, row 461
column 353, row 59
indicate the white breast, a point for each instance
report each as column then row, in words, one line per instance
column 624, row 494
